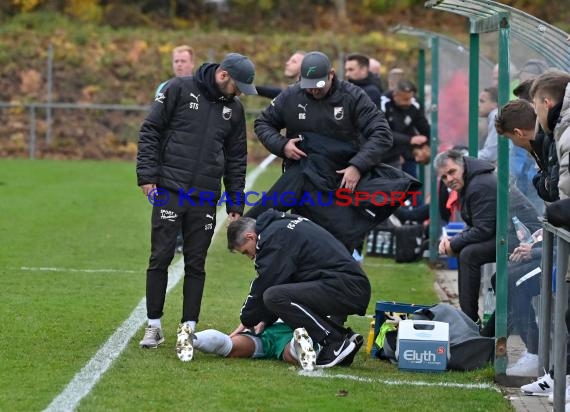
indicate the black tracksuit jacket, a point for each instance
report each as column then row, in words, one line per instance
column 194, row 136
column 346, row 113
column 292, row 249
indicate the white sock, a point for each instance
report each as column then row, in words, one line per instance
column 292, row 350
column 155, row 323
column 213, row 341
column 192, row 324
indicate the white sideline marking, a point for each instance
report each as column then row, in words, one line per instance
column 322, row 374
column 40, row 269
column 89, row 375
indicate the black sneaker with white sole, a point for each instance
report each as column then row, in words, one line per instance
column 358, row 340
column 332, row 353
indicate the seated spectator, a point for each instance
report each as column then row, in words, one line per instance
column 524, row 279
column 517, row 121
column 550, row 94
column 476, row 184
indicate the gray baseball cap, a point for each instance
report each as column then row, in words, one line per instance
column 242, row 70
column 315, row 69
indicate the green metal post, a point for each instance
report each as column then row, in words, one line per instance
column 422, row 76
column 433, row 205
column 422, row 100
column 473, row 94
column 502, row 203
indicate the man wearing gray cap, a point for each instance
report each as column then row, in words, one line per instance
column 193, row 136
column 324, row 104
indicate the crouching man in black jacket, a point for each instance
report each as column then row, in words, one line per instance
column 304, row 274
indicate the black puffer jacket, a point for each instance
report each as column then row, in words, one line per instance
column 478, row 204
column 345, row 113
column 192, row 137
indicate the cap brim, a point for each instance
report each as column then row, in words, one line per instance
column 246, row 88
column 313, row 83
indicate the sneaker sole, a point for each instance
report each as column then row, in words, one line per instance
column 307, row 355
column 143, row 345
column 535, row 393
column 152, row 346
column 184, row 348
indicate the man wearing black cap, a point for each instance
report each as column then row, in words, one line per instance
column 321, row 103
column 193, row 136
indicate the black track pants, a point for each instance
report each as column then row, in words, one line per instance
column 197, row 223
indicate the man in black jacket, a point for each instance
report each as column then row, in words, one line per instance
column 193, row 136
column 322, row 103
column 408, row 122
column 357, row 72
column 476, row 184
column 303, row 276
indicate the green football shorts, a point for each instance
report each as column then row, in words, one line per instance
column 274, row 338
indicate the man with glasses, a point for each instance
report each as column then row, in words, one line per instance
column 193, row 136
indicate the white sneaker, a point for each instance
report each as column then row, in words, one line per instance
column 184, row 342
column 152, row 337
column 303, row 346
column 527, row 365
column 543, row 386
column 551, row 395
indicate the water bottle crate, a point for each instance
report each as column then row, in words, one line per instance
column 381, row 241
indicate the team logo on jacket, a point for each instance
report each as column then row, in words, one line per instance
column 407, row 120
column 194, row 105
column 303, row 116
column 226, row 113
column 338, row 113
column 159, row 97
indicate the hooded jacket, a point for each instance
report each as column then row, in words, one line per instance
column 292, row 249
column 345, row 113
column 192, row 137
